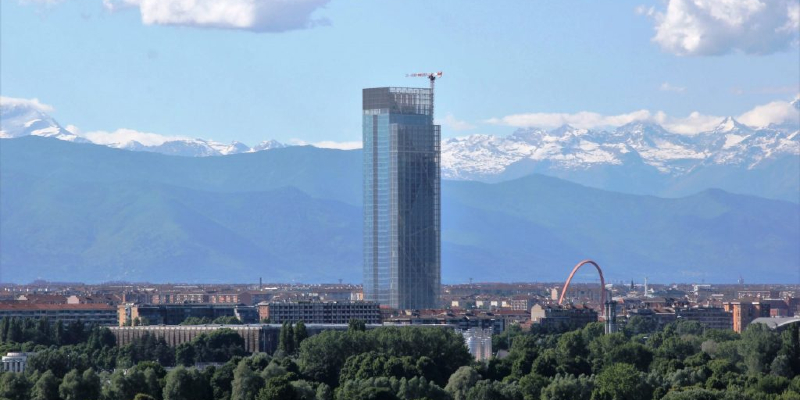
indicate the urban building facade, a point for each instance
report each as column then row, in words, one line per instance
column 744, row 312
column 401, row 198
column 320, row 313
column 562, row 316
column 174, row 314
column 257, row 337
column 15, row 362
column 711, row 317
column 457, row 321
column 100, row 314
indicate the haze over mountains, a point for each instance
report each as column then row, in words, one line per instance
column 82, row 212
column 637, row 158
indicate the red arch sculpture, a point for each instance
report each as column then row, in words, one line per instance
column 602, row 283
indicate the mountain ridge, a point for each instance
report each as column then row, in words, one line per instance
column 73, row 211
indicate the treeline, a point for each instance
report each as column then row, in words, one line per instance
column 24, row 334
column 683, row 361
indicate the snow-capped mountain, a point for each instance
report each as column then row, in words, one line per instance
column 17, row 120
column 185, row 147
column 268, row 145
column 640, row 157
column 567, row 148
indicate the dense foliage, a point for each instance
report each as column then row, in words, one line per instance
column 683, row 361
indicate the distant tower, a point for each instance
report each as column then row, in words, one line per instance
column 611, row 316
column 401, row 197
column 646, row 294
column 633, row 287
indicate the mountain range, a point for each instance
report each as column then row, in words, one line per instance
column 637, row 158
column 83, row 212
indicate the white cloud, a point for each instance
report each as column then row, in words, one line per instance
column 252, row 15
column 773, row 113
column 713, row 27
column 667, row 87
column 123, row 137
column 776, row 112
column 695, row 122
column 73, row 129
column 41, row 2
column 583, row 119
column 450, row 121
column 328, row 144
column 32, row 103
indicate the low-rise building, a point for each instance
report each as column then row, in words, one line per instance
column 562, row 316
column 15, row 362
column 744, row 312
column 257, row 337
column 458, row 320
column 174, row 314
column 710, row 317
column 101, row 314
column 314, row 312
column 659, row 317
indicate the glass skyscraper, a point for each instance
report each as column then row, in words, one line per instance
column 401, row 198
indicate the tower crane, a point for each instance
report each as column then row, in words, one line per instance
column 432, row 77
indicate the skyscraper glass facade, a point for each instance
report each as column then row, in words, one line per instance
column 401, row 198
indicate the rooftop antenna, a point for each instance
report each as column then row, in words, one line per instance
column 432, row 77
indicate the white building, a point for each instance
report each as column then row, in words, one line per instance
column 15, row 362
column 479, row 343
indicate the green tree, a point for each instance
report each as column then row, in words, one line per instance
column 303, row 390
column 300, row 333
column 368, row 389
column 357, row 325
column 324, row 392
column 246, row 384
column 568, row 387
column 572, row 354
column 638, row 325
column 46, row 387
column 185, row 354
column 790, row 348
column 531, row 386
column 494, row 390
column 222, row 379
column 152, row 382
column 77, row 386
column 620, row 382
column 142, row 396
column 692, row 394
column 227, row 320
column 286, row 338
column 461, row 382
column 759, row 346
column 14, row 386
column 277, row 389
column 124, row 386
column 181, row 384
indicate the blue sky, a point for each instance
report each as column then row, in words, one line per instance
column 252, row 70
